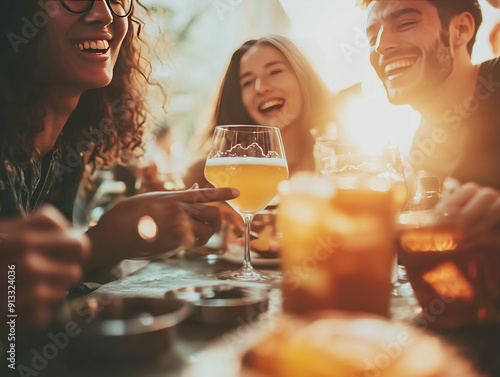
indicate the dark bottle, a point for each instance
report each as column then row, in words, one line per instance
column 427, row 196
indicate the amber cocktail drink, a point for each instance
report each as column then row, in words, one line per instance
column 454, row 283
column 338, row 244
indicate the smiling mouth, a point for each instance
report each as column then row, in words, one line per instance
column 397, row 68
column 100, row 46
column 272, row 105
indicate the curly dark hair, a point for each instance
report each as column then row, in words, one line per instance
column 121, row 104
column 447, row 9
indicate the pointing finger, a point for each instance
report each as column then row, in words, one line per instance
column 205, row 195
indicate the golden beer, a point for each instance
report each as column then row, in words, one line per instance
column 256, row 178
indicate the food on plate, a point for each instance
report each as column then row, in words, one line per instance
column 336, row 344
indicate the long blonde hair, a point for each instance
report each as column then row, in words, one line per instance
column 316, row 108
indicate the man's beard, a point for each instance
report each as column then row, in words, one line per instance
column 438, row 65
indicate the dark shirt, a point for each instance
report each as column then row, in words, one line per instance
column 26, row 184
column 466, row 145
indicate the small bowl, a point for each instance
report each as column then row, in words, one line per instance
column 224, row 304
column 125, row 328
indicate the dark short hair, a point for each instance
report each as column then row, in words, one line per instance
column 447, row 9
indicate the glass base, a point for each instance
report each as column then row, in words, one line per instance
column 249, row 274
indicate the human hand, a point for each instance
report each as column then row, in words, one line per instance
column 46, row 260
column 477, row 210
column 178, row 219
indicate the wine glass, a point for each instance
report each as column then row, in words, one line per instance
column 251, row 159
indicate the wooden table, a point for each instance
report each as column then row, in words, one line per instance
column 482, row 345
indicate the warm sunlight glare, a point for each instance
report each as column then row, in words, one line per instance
column 370, row 119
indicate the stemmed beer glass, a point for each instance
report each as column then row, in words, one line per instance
column 251, row 159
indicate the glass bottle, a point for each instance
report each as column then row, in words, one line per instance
column 427, row 196
column 109, row 193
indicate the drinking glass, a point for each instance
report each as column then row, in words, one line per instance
column 455, row 282
column 341, row 157
column 251, row 159
column 338, row 247
column 337, row 157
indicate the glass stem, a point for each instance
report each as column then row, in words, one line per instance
column 247, row 219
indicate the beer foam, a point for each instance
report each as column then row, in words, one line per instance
column 220, row 161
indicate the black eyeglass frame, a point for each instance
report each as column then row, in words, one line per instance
column 92, row 4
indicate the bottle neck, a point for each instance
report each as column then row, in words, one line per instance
column 428, row 195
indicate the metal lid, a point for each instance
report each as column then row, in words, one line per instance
column 104, row 315
column 227, row 304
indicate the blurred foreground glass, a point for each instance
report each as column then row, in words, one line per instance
column 342, row 157
column 251, row 159
column 338, row 243
column 455, row 285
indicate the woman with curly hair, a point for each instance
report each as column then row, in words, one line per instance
column 72, row 91
column 271, row 83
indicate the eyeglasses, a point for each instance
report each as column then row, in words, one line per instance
column 120, row 8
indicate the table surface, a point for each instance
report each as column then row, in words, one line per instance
column 481, row 345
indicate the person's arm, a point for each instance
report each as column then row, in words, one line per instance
column 144, row 226
column 45, row 262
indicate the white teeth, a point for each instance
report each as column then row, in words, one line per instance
column 100, row 44
column 399, row 64
column 271, row 103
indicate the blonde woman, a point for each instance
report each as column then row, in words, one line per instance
column 269, row 82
